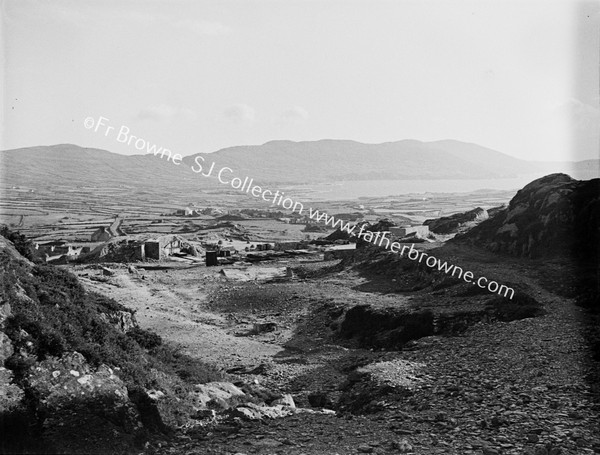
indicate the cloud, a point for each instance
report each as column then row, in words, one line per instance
column 293, row 116
column 165, row 113
column 201, row 27
column 239, row 113
column 294, row 113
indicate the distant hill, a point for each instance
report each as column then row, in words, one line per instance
column 67, row 163
column 275, row 161
column 331, row 160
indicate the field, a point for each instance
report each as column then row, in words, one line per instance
column 62, row 213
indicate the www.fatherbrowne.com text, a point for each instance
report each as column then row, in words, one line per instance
column 226, row 176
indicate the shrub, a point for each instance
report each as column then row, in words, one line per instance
column 145, row 338
column 22, row 244
column 187, row 368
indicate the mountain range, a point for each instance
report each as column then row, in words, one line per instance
column 282, row 161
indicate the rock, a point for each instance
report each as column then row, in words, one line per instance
column 264, row 327
column 122, row 320
column 245, row 413
column 252, row 411
column 286, row 400
column 205, row 414
column 155, row 394
column 6, row 311
column 259, row 369
column 81, row 408
column 490, row 451
column 552, row 216
column 388, row 327
column 364, row 448
column 454, row 223
column 402, row 446
column 6, row 348
column 319, row 400
column 257, row 391
column 10, row 394
column 56, row 379
column 224, row 393
column 532, row 437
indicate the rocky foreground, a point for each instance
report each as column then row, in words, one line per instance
column 504, row 388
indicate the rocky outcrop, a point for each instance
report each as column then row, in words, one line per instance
column 551, row 216
column 218, row 400
column 385, row 327
column 87, row 410
column 216, row 395
column 453, row 224
column 122, row 320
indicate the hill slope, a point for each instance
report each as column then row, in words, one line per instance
column 551, row 216
column 276, row 161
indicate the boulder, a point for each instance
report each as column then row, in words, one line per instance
column 216, row 394
column 83, row 409
column 10, row 394
column 252, row 411
column 285, row 400
column 6, row 348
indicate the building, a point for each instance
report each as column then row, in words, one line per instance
column 101, row 235
column 404, row 231
column 212, row 258
column 52, row 251
column 188, row 211
column 161, row 247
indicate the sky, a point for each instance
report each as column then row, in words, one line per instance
column 520, row 77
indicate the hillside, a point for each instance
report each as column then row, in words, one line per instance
column 551, row 216
column 76, row 371
column 349, row 160
column 556, row 220
column 276, row 161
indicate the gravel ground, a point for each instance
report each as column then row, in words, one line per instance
column 518, row 387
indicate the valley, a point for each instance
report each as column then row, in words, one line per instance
column 272, row 333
